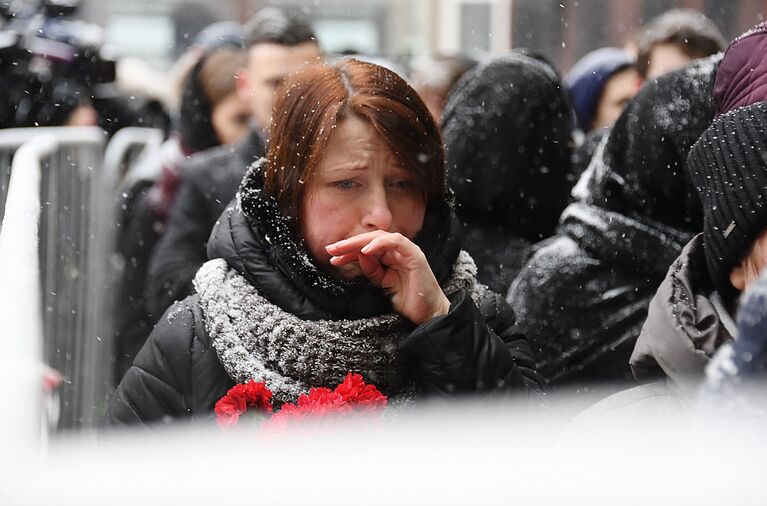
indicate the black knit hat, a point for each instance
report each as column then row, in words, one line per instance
column 728, row 166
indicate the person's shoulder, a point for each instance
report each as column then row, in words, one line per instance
column 202, row 165
column 175, row 333
column 557, row 256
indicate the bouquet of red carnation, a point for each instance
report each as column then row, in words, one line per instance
column 353, row 394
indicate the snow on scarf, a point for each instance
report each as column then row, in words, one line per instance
column 255, row 339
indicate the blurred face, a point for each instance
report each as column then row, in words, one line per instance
column 83, row 115
column 230, row 119
column 618, row 90
column 664, row 58
column 268, row 65
column 434, row 100
column 752, row 265
column 360, row 187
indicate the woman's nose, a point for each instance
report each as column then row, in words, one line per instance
column 378, row 215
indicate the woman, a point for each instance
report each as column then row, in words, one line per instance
column 211, row 114
column 340, row 254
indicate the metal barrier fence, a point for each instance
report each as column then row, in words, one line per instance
column 11, row 140
column 72, row 235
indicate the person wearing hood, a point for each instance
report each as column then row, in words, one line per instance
column 689, row 319
column 600, row 85
column 211, row 114
column 583, row 296
column 686, row 356
column 278, row 43
column 507, row 129
column 340, row 253
column 691, row 316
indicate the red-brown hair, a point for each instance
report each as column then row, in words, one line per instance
column 312, row 102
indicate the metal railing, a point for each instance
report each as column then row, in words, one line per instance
column 11, row 139
column 56, row 242
column 125, row 147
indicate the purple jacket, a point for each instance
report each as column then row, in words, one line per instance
column 741, row 78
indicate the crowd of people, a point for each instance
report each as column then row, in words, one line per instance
column 473, row 226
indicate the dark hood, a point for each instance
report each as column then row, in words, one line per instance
column 741, row 78
column 507, row 128
column 684, row 326
column 260, row 243
column 640, row 169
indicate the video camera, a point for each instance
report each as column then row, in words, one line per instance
column 49, row 63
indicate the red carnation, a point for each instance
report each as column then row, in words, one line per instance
column 355, row 391
column 281, row 418
column 239, row 398
column 322, row 401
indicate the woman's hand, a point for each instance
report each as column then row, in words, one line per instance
column 395, row 263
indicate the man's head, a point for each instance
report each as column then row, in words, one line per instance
column 278, row 44
column 674, row 39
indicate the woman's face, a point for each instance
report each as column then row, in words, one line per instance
column 230, row 119
column 360, row 187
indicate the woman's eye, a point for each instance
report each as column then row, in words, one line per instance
column 344, row 185
column 403, row 184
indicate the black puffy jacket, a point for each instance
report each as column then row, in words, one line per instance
column 178, row 374
column 209, row 182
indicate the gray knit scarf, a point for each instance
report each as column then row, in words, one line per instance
column 255, row 339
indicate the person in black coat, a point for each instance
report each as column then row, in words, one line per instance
column 507, row 128
column 278, row 43
column 339, row 254
column 150, row 187
column 583, row 296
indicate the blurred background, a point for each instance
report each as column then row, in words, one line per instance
column 564, row 30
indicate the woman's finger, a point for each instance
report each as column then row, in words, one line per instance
column 344, row 259
column 353, row 244
column 371, row 268
column 408, row 255
column 395, row 242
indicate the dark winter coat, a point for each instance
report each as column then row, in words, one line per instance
column 144, row 212
column 209, row 182
column 499, row 254
column 583, row 296
column 137, row 235
column 686, row 325
column 178, row 374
